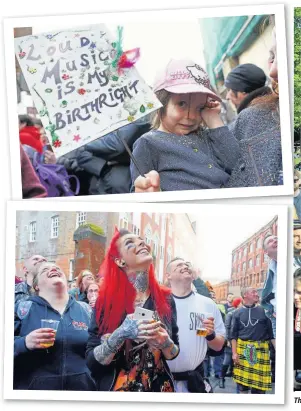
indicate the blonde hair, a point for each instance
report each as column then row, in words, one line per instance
column 163, row 96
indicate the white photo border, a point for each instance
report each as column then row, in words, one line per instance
column 212, row 210
column 158, row 15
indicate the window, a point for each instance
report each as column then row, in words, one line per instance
column 262, row 276
column 55, row 223
column 32, row 231
column 244, row 267
column 245, row 251
column 169, row 254
column 258, row 243
column 155, row 247
column 251, row 247
column 148, row 235
column 161, row 252
column 234, row 257
column 266, row 258
column 157, row 218
column 257, row 260
column 239, row 255
column 250, row 263
column 170, row 227
column 81, row 218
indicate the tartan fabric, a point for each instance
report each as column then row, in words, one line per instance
column 253, row 371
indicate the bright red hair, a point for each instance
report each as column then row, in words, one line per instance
column 117, row 295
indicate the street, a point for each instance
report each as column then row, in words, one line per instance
column 230, row 386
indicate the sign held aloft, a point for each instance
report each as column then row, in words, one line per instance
column 83, row 85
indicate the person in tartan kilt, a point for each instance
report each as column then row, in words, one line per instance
column 251, row 332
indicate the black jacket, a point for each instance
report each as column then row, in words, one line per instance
column 260, row 92
column 297, row 346
column 107, row 160
column 105, row 375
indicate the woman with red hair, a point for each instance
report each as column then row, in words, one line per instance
column 125, row 354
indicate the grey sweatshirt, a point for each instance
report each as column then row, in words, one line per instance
column 187, row 162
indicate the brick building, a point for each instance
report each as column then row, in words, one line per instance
column 78, row 240
column 51, row 234
column 221, row 290
column 249, row 262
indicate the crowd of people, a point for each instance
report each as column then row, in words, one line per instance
column 184, row 145
column 86, row 336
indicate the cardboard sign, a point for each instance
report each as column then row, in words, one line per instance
column 78, row 90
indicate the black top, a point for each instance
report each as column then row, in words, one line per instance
column 251, row 323
column 105, row 375
column 297, row 346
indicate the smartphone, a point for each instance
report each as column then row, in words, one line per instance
column 143, row 314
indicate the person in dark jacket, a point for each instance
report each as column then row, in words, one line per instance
column 84, row 279
column 124, row 353
column 251, row 331
column 228, row 362
column 257, row 127
column 45, row 359
column 23, row 290
column 107, row 161
column 245, row 83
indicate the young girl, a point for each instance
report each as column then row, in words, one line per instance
column 178, row 154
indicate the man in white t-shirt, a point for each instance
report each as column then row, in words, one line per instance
column 193, row 311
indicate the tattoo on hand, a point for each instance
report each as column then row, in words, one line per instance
column 105, row 352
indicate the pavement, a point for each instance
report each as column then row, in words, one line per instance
column 230, row 386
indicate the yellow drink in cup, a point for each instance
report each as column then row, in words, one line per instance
column 201, row 330
column 49, row 324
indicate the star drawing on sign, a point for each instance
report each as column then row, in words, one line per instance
column 76, row 138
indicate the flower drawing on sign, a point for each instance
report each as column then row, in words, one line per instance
column 31, row 70
column 57, row 143
column 150, row 105
column 64, row 104
column 76, row 138
column 130, row 118
column 22, row 54
column 81, row 91
column 65, row 76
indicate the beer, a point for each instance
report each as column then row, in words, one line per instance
column 202, row 332
column 47, row 345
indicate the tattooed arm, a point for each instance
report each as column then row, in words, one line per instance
column 105, row 352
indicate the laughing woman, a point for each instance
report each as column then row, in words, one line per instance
column 45, row 359
column 125, row 354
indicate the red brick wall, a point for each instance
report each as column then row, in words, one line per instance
column 89, row 255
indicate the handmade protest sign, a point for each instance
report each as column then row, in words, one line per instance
column 83, row 84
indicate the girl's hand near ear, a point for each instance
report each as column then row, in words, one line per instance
column 211, row 114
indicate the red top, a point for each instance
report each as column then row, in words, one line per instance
column 30, row 135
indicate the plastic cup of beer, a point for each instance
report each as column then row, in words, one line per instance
column 49, row 324
column 201, row 330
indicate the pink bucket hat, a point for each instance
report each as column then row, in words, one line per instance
column 184, row 76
